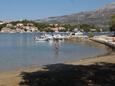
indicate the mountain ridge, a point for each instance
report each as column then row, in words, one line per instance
column 100, row 17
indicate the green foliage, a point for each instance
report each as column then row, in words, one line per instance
column 24, row 22
column 62, row 30
column 69, row 27
column 84, row 27
column 47, row 27
column 112, row 23
column 48, row 30
column 90, row 34
column 2, row 26
column 88, row 28
column 40, row 26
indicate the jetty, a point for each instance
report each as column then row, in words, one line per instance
column 109, row 41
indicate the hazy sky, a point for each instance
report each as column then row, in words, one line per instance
column 37, row 9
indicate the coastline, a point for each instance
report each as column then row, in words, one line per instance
column 13, row 78
column 107, row 57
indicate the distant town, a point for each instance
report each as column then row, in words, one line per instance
column 32, row 26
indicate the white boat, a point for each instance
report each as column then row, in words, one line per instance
column 50, row 37
column 41, row 38
column 55, row 36
column 47, row 37
column 78, row 33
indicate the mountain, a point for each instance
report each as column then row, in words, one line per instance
column 98, row 17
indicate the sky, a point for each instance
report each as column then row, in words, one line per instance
column 38, row 9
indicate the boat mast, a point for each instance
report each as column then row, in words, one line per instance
column 78, row 22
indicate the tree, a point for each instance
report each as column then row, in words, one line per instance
column 2, row 26
column 69, row 27
column 41, row 26
column 88, row 27
column 48, row 30
column 112, row 23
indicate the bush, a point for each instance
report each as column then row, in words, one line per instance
column 90, row 34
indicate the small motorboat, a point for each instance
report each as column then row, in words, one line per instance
column 41, row 38
column 78, row 33
column 50, row 37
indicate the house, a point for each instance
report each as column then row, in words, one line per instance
column 20, row 30
column 31, row 28
column 19, row 25
column 6, row 30
column 34, row 29
column 93, row 30
column 55, row 29
column 9, row 25
column 30, row 24
column 1, row 22
column 61, row 28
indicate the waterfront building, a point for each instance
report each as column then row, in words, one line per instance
column 19, row 25
column 6, row 30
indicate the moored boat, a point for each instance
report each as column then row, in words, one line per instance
column 41, row 38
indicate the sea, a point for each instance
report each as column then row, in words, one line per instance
column 20, row 50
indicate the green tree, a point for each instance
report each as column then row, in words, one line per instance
column 90, row 34
column 69, row 27
column 41, row 26
column 112, row 23
column 85, row 27
column 88, row 27
column 2, row 26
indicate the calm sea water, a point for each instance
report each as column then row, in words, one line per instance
column 21, row 50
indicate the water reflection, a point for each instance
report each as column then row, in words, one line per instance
column 56, row 46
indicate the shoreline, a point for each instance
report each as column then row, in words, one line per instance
column 13, row 77
column 100, row 58
column 92, row 60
